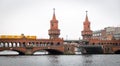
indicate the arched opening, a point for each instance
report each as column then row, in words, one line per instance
column 8, row 52
column 11, row 52
column 41, row 52
column 58, row 44
column 54, row 52
column 78, row 51
column 48, row 52
column 117, row 52
column 92, row 50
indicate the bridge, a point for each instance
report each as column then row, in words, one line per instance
column 53, row 46
column 96, row 47
column 109, row 46
column 26, row 46
column 30, row 46
column 84, row 47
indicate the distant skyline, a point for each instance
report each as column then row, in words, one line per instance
column 32, row 17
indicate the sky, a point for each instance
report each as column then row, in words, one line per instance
column 32, row 17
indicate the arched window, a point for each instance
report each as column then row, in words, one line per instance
column 48, row 44
column 68, row 48
column 116, row 44
column 51, row 43
column 18, row 44
column 58, row 43
column 33, row 43
column 14, row 44
column 37, row 42
column 1, row 44
column 23, row 44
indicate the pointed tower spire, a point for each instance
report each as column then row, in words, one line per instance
column 86, row 23
column 54, row 32
column 87, row 32
column 54, row 17
column 86, row 19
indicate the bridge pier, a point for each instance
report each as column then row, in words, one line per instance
column 29, row 50
column 28, row 53
column 69, row 49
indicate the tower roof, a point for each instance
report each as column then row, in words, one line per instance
column 54, row 17
column 86, row 19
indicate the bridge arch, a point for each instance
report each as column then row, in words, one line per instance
column 81, row 49
column 51, row 51
column 90, row 49
column 117, row 52
column 18, row 51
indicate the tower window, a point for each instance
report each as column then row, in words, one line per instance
column 88, row 26
column 52, row 24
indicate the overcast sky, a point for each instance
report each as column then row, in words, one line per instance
column 32, row 17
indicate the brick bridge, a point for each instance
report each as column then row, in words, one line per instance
column 30, row 46
column 96, row 46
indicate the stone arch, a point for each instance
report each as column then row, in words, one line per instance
column 51, row 51
column 18, row 51
column 91, row 50
column 54, row 52
column 83, row 50
column 78, row 49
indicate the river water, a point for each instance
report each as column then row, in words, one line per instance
column 61, row 60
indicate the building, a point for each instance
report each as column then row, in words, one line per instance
column 108, row 33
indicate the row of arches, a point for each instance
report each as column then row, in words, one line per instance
column 24, row 44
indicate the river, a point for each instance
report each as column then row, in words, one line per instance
column 61, row 60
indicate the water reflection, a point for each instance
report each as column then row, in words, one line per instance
column 61, row 60
column 87, row 60
column 53, row 59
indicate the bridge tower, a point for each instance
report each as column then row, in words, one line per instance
column 87, row 32
column 54, row 32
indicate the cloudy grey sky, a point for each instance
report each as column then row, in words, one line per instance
column 32, row 17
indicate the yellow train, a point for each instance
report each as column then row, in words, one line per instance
column 16, row 37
